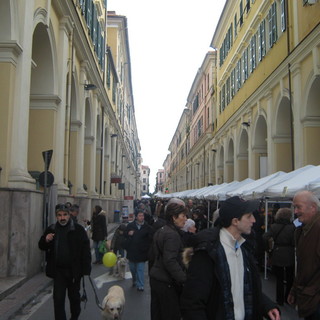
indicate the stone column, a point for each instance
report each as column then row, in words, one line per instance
column 62, row 128
column 270, row 144
column 17, row 166
column 296, row 106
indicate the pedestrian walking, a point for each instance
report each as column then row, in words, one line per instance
column 222, row 278
column 68, row 259
column 305, row 291
column 99, row 232
column 282, row 256
column 137, row 243
column 167, row 273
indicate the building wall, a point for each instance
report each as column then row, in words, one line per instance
column 270, row 122
column 47, row 107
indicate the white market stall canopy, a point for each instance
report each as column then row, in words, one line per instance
column 276, row 185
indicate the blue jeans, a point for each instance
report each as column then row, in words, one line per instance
column 137, row 271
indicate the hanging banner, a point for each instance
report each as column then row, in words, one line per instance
column 128, row 203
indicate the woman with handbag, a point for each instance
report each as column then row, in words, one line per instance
column 281, row 234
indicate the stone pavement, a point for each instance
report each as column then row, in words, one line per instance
column 16, row 292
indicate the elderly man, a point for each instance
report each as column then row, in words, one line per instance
column 68, row 258
column 305, row 290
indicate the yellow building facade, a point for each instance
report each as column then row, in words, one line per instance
column 65, row 96
column 267, row 91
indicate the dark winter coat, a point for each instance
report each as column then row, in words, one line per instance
column 202, row 296
column 307, row 283
column 283, row 233
column 118, row 239
column 167, row 249
column 99, row 227
column 138, row 244
column 78, row 247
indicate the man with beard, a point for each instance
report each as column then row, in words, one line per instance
column 68, row 259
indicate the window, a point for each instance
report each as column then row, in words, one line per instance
column 283, row 15
column 245, row 64
column 232, row 84
column 248, row 5
column 235, row 25
column 144, row 180
column 241, row 13
column 114, row 89
column 228, row 91
column 223, row 95
column 272, row 18
column 262, row 40
column 238, row 75
column 108, row 72
column 253, row 62
column 94, row 24
column 195, row 104
column 88, row 14
column 221, row 55
column 199, row 127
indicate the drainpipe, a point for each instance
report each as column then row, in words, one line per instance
column 68, row 109
column 102, row 191
column 289, row 84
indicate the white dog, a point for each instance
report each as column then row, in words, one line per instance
column 113, row 303
column 121, row 267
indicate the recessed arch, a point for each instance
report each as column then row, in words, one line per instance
column 230, row 161
column 260, row 147
column 311, row 124
column 243, row 155
column 282, row 139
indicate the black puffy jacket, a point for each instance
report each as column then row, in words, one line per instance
column 167, row 250
column 79, row 248
column 138, row 244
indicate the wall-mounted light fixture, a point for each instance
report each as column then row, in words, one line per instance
column 114, row 135
column 246, row 123
column 89, row 86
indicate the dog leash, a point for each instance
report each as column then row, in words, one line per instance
column 95, row 294
column 84, row 297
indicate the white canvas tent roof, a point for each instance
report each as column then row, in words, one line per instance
column 315, row 187
column 260, row 191
column 248, row 189
column 222, row 193
column 299, row 180
column 276, row 185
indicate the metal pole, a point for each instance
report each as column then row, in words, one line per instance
column 45, row 209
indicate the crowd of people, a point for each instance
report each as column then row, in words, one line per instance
column 202, row 264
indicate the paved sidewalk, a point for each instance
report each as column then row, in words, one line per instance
column 17, row 292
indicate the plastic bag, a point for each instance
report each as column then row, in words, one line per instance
column 103, row 247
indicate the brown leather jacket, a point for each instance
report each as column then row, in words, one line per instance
column 307, row 283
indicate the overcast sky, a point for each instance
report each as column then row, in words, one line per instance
column 168, row 41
